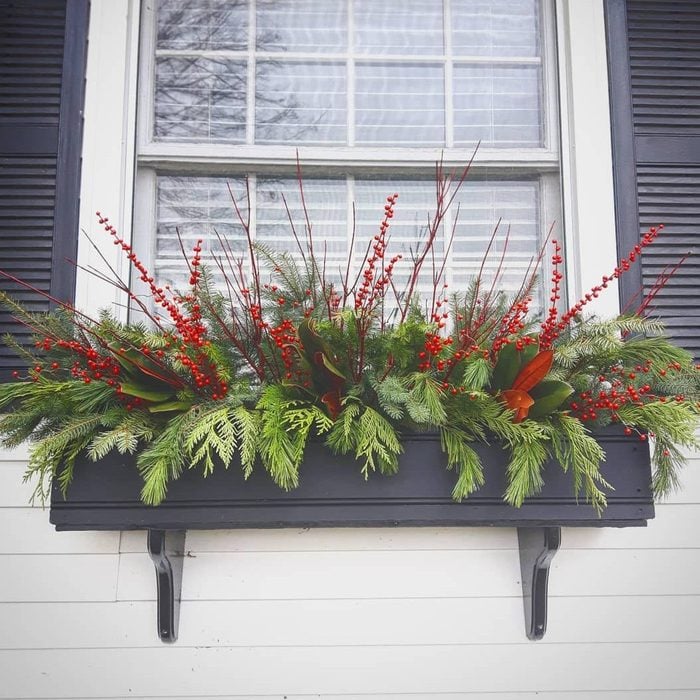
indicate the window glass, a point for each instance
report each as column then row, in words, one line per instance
column 371, row 94
column 423, row 73
column 189, row 208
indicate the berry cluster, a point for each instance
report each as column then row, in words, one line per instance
column 376, row 277
column 553, row 326
column 618, row 388
column 190, row 333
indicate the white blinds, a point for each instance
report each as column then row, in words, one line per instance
column 349, row 72
column 198, row 207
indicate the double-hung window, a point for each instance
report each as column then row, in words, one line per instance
column 368, row 95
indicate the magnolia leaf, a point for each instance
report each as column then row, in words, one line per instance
column 529, row 352
column 506, row 369
column 534, row 371
column 549, row 396
column 146, row 394
column 519, row 401
column 322, row 359
column 511, row 361
column 135, row 363
column 165, row 406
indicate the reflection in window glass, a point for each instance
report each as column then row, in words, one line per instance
column 303, row 26
column 193, row 25
column 408, row 27
column 301, row 102
column 200, row 99
column 349, row 72
column 400, row 104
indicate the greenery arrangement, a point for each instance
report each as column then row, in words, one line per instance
column 285, row 351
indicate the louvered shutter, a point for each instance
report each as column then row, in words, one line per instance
column 655, row 85
column 42, row 64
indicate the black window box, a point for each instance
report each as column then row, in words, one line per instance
column 332, row 493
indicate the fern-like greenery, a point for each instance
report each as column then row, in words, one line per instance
column 249, row 372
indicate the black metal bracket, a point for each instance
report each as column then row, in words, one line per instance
column 167, row 549
column 537, row 546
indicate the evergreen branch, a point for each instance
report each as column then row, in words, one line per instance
column 461, row 455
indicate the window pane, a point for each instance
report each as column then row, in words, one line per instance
column 400, row 104
column 300, row 102
column 499, row 106
column 398, row 27
column 222, row 78
column 326, row 204
column 305, row 26
column 209, row 25
column 481, row 205
column 199, row 207
column 408, row 230
column 495, row 28
column 194, row 208
column 200, row 99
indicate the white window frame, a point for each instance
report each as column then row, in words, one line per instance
column 110, row 146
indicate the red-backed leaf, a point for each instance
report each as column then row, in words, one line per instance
column 534, row 371
column 333, row 404
column 519, row 401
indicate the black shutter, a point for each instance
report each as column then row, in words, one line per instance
column 654, row 49
column 42, row 64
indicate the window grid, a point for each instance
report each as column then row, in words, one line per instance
column 229, row 159
column 448, row 61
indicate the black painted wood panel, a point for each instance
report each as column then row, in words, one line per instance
column 333, row 493
column 663, row 40
column 43, row 47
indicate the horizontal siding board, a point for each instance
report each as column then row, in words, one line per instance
column 14, row 493
column 167, row 671
column 299, row 623
column 337, row 539
column 325, row 575
column 423, row 574
column 28, row 531
column 60, row 577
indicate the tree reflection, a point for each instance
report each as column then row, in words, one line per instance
column 201, row 95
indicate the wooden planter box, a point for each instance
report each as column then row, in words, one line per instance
column 332, row 493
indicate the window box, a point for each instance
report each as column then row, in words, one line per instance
column 332, row 493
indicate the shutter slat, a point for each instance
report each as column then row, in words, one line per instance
column 664, row 66
column 31, row 74
column 664, row 59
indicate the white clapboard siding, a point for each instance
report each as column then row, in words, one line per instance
column 289, row 623
column 28, row 531
column 339, row 539
column 162, row 672
column 14, row 492
column 58, row 577
column 455, row 574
